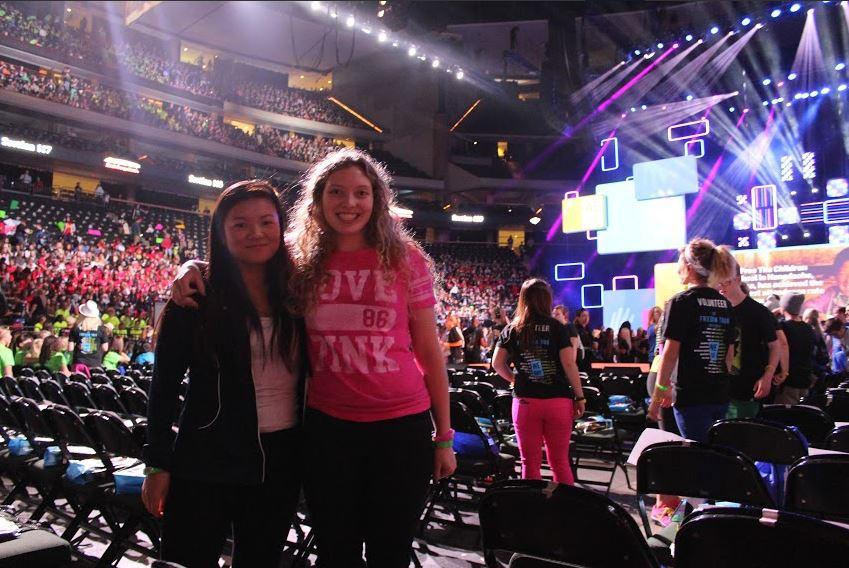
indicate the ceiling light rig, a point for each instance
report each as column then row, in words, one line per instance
column 385, row 36
column 758, row 19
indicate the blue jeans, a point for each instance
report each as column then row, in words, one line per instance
column 695, row 421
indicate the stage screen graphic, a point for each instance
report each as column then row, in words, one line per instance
column 634, row 225
column 665, row 178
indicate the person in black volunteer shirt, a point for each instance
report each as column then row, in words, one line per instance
column 756, row 351
column 89, row 340
column 546, row 381
column 236, row 458
column 585, row 337
column 797, row 364
column 700, row 332
column 474, row 341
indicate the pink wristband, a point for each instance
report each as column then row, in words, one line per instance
column 446, row 436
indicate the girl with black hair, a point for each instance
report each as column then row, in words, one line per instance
column 236, row 457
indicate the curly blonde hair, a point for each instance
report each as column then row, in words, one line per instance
column 312, row 241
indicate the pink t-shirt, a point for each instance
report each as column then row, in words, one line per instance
column 360, row 349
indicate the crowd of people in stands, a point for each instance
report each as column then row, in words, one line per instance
column 84, row 94
column 147, row 58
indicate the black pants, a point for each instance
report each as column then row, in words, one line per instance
column 366, row 483
column 199, row 515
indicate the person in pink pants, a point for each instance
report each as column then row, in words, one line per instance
column 546, row 386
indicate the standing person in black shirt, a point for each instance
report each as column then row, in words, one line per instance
column 585, row 339
column 546, row 381
column 756, row 351
column 797, row 365
column 474, row 340
column 454, row 339
column 700, row 332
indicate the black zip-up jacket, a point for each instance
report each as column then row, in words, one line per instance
column 218, row 437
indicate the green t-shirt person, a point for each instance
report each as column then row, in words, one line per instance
column 7, row 358
column 55, row 363
column 111, row 360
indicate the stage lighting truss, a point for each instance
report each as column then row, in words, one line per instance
column 767, row 240
column 787, row 168
column 837, row 187
column 838, row 235
column 764, row 208
column 809, row 165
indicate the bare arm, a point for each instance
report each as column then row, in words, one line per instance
column 500, row 365
column 671, row 352
column 784, row 358
column 429, row 356
column 568, row 360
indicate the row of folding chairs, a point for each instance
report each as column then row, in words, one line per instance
column 128, row 401
column 534, row 524
column 724, row 470
column 104, row 440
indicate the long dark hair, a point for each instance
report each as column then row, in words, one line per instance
column 48, row 348
column 225, row 278
column 534, row 305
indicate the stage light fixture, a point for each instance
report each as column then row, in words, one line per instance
column 381, row 37
column 825, row 90
column 412, row 51
column 350, row 21
column 623, row 115
column 660, row 46
column 806, row 234
column 460, row 75
column 766, row 240
column 366, row 31
column 316, row 6
column 731, row 109
column 792, row 77
column 810, row 10
column 333, row 13
column 842, row 87
column 689, row 37
column 766, row 82
column 435, row 63
column 814, row 93
column 675, row 45
column 784, row 237
column 714, row 30
column 637, row 52
column 775, row 13
column 534, row 220
column 765, row 103
column 746, row 21
column 394, row 44
column 840, row 66
column 633, row 109
column 795, row 7
column 689, row 97
column 644, row 107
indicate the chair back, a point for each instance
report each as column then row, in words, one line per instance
column 42, row 374
column 120, row 382
column 31, row 388
column 69, row 428
column 472, row 400
column 694, row 469
column 107, row 398
column 502, row 406
column 35, row 423
column 79, row 395
column 838, row 406
column 838, row 439
column 562, row 524
column 819, row 486
column 813, row 422
column 9, row 387
column 758, row 538
column 596, row 402
column 112, row 434
column 54, row 392
column 760, row 440
column 135, row 400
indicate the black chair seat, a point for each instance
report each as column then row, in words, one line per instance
column 33, row 549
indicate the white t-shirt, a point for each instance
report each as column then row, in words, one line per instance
column 276, row 387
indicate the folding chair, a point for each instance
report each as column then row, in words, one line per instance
column 760, row 440
column 107, row 398
column 54, row 392
column 31, row 388
column 135, row 401
column 119, row 448
column 46, row 480
column 120, row 382
column 604, row 447
column 813, row 422
column 819, row 486
column 478, row 460
column 756, row 538
column 696, row 470
column 79, row 395
column 838, row 405
column 838, row 439
column 486, row 391
column 549, row 524
column 9, row 387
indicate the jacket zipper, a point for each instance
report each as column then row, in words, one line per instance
column 217, row 412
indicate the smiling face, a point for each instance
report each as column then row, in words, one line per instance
column 347, row 203
column 252, row 231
